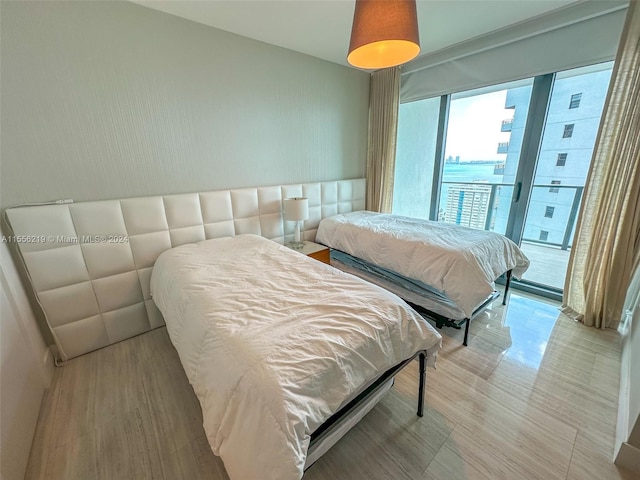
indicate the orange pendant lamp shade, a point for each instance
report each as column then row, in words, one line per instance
column 384, row 33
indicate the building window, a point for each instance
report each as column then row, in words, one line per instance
column 544, row 235
column 548, row 213
column 554, row 189
column 575, row 100
column 568, row 131
column 562, row 160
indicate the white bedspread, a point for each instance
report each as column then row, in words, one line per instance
column 273, row 342
column 460, row 262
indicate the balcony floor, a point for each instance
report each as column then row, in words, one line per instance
column 548, row 264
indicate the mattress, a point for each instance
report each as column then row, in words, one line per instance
column 460, row 263
column 274, row 342
column 411, row 291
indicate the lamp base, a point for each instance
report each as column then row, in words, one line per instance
column 296, row 245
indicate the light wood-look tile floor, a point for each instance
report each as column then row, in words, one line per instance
column 533, row 396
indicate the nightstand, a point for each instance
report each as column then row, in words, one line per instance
column 317, row 251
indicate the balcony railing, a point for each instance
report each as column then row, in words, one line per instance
column 506, row 125
column 503, row 147
column 568, row 224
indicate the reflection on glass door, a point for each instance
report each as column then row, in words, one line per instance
column 415, row 155
column 564, row 157
column 483, row 140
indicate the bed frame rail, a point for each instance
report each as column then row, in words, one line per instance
column 333, row 422
column 442, row 321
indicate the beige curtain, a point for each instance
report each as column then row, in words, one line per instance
column 384, row 101
column 606, row 248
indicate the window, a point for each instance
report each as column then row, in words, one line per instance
column 548, row 213
column 575, row 100
column 568, row 131
column 476, row 150
column 562, row 160
column 458, row 160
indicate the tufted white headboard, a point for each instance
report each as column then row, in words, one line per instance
column 90, row 262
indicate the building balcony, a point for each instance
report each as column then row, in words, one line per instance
column 506, row 125
column 503, row 147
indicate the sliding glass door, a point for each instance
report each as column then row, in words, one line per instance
column 483, row 138
column 570, row 130
column 510, row 158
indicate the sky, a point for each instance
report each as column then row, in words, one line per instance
column 474, row 127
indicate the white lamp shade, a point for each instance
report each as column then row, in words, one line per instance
column 296, row 209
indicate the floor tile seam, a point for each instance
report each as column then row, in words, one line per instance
column 573, row 450
column 422, row 474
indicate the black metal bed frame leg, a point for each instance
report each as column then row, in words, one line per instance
column 423, row 376
column 506, row 287
column 466, row 331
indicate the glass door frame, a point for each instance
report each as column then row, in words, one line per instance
column 525, row 175
column 438, row 165
column 531, row 143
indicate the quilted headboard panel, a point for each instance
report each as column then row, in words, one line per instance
column 90, row 263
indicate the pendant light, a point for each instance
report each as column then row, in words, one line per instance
column 384, row 33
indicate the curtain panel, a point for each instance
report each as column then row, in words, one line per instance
column 606, row 248
column 384, row 101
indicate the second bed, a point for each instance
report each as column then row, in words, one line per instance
column 446, row 271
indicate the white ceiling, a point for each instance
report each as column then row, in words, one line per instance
column 322, row 28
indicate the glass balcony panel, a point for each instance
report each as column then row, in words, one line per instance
column 547, row 240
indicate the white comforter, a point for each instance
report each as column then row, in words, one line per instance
column 273, row 342
column 460, row 262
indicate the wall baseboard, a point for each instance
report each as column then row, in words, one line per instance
column 628, row 457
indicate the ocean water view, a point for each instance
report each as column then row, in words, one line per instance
column 466, row 172
column 470, row 172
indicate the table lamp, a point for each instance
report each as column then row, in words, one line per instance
column 296, row 209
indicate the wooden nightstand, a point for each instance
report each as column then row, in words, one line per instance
column 317, row 251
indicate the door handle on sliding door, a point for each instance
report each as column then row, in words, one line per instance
column 516, row 197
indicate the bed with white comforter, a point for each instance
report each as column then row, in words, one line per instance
column 274, row 342
column 460, row 262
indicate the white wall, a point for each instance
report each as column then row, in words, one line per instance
column 627, row 448
column 25, row 372
column 111, row 99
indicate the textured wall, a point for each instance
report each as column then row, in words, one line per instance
column 110, row 99
column 24, row 375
